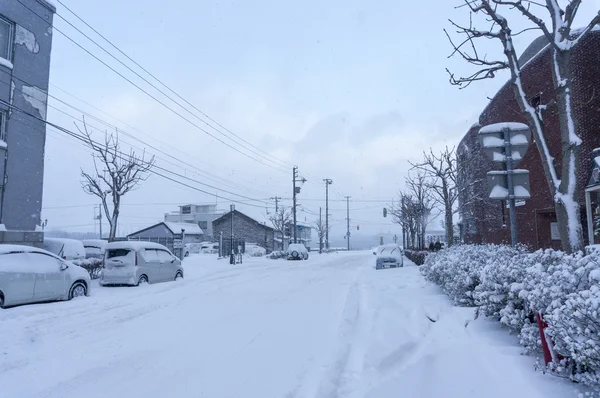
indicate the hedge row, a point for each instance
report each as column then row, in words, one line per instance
column 513, row 285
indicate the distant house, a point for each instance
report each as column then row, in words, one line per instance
column 303, row 234
column 166, row 232
column 25, row 47
column 244, row 227
column 203, row 215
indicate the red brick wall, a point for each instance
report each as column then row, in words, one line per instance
column 535, row 217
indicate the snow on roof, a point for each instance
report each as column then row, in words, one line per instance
column 4, row 249
column 498, row 127
column 134, row 245
column 190, row 228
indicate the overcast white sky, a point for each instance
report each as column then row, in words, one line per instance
column 347, row 90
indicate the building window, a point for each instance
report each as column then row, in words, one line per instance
column 186, row 209
column 203, row 225
column 6, row 38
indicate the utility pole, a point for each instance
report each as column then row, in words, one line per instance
column 276, row 199
column 295, row 175
column 328, row 182
column 320, row 231
column 100, row 219
column 348, row 220
column 296, row 191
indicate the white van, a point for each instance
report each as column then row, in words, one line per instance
column 67, row 249
column 132, row 263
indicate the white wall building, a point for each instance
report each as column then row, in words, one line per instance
column 203, row 215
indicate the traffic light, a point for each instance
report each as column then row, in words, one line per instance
column 385, row 211
column 358, row 227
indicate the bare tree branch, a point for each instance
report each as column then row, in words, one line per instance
column 119, row 174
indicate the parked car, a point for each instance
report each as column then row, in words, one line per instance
column 67, row 249
column 32, row 275
column 132, row 263
column 297, row 251
column 191, row 248
column 255, row 250
column 94, row 248
column 389, row 256
column 209, row 248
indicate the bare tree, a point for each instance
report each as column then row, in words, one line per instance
column 419, row 188
column 115, row 174
column 441, row 172
column 280, row 219
column 408, row 213
column 563, row 39
column 321, row 229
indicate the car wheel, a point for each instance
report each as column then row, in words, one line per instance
column 1, row 300
column 78, row 289
column 187, row 254
column 143, row 280
column 295, row 254
column 178, row 276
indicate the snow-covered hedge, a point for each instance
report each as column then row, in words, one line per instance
column 416, row 256
column 92, row 265
column 512, row 286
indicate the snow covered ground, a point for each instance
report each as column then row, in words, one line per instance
column 330, row 327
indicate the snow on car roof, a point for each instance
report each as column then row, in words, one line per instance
column 5, row 249
column 134, row 245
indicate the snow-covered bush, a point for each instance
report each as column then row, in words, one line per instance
column 458, row 269
column 416, row 256
column 92, row 265
column 501, row 271
column 512, row 286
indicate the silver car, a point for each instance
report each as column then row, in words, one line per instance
column 132, row 263
column 31, row 275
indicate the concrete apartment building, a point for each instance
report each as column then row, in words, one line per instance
column 25, row 48
column 202, row 215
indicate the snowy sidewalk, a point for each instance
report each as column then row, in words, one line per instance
column 328, row 327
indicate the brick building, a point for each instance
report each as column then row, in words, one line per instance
column 484, row 220
column 244, row 227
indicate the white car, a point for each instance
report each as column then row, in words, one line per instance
column 94, row 248
column 32, row 275
column 67, row 249
column 133, row 263
column 297, row 251
column 209, row 248
column 255, row 250
column 389, row 256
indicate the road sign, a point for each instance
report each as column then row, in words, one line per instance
column 498, row 184
column 348, row 233
column 492, row 140
column 299, row 227
column 507, row 143
column 177, row 244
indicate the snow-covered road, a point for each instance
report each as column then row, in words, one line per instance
column 328, row 327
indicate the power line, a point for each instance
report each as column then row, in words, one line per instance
column 147, row 93
column 154, row 77
column 232, row 184
column 84, row 140
column 148, row 135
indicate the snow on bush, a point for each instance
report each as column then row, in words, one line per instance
column 512, row 286
column 458, row 269
column 92, row 265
